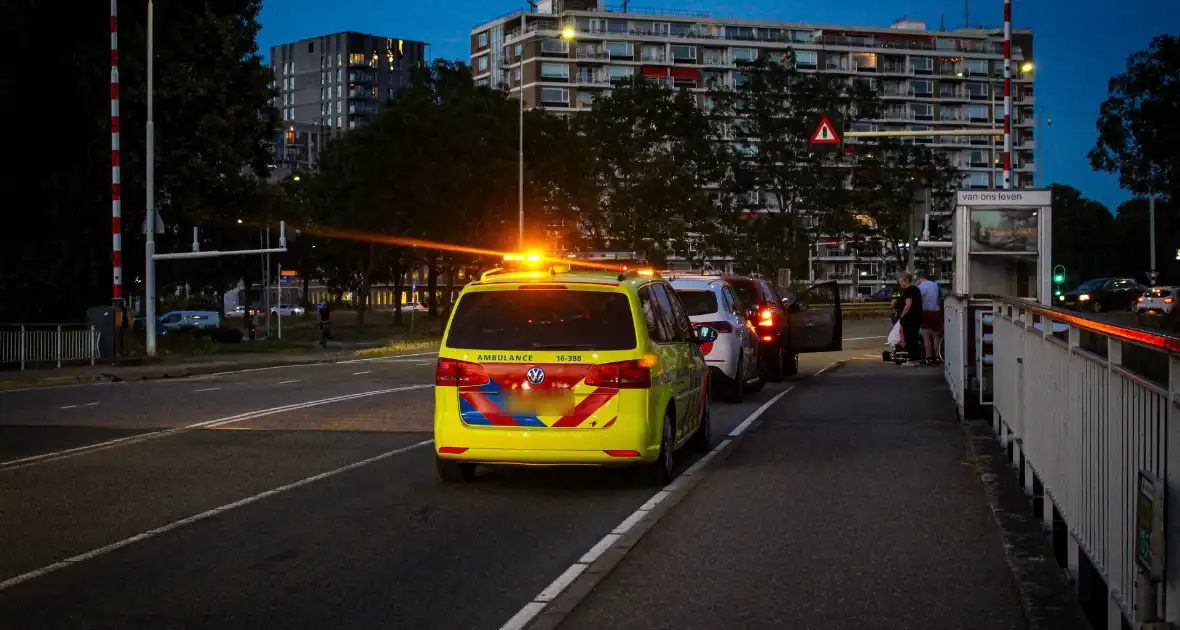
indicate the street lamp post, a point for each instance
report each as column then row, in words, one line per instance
column 567, row 34
column 149, row 279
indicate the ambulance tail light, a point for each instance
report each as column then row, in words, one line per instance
column 634, row 374
column 455, row 373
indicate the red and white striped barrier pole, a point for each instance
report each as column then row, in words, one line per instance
column 116, row 211
column 1007, row 94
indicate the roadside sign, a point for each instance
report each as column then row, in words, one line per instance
column 289, row 272
column 825, row 133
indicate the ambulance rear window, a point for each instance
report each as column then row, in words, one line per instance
column 565, row 319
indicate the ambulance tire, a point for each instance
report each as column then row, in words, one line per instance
column 662, row 471
column 454, row 472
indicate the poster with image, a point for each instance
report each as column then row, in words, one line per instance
column 1003, row 231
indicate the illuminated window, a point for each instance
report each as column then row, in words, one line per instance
column 356, row 59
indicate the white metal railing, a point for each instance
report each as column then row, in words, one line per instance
column 1088, row 405
column 954, row 360
column 48, row 343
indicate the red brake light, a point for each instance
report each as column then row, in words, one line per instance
column 454, row 373
column 453, row 450
column 622, row 453
column 767, row 338
column 621, row 375
column 1167, row 300
column 1140, row 298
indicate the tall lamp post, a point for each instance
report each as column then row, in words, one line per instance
column 567, row 34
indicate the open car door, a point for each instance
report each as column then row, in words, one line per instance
column 815, row 319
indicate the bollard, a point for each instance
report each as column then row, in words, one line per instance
column 59, row 346
column 22, row 346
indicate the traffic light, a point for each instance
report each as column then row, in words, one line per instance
column 1058, row 278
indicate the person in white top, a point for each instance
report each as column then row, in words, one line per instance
column 931, row 317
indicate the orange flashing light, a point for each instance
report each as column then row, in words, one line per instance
column 647, row 272
column 649, row 360
column 1168, row 300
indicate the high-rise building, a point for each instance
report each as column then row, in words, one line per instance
column 330, row 84
column 927, row 79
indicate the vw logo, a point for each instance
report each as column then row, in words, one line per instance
column 536, row 376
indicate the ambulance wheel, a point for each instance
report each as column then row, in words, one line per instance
column 454, row 472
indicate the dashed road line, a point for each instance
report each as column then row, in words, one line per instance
column 207, row 389
column 296, row 380
column 152, row 533
column 218, row 422
column 89, row 404
column 364, row 372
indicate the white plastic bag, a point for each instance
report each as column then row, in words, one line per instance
column 895, row 334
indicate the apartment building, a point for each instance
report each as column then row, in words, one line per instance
column 567, row 54
column 327, row 85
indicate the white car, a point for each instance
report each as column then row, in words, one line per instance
column 1157, row 301
column 417, row 307
column 733, row 358
column 287, row 310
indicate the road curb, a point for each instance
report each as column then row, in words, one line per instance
column 1046, row 597
column 559, row 608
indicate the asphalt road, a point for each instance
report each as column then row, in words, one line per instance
column 300, row 497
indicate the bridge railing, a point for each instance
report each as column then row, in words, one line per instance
column 1082, row 406
column 26, row 344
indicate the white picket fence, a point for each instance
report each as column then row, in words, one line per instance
column 39, row 344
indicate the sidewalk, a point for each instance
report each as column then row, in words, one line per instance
column 851, row 506
column 138, row 369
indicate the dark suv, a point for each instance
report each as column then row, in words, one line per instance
column 789, row 324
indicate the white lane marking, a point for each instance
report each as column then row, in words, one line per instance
column 364, row 372
column 524, row 616
column 89, row 404
column 62, row 386
column 250, row 415
column 599, row 549
column 863, row 338
column 564, row 580
column 288, row 382
column 739, row 429
column 398, row 358
column 530, row 610
column 94, row 553
column 207, row 389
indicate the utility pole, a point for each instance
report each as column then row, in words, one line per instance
column 149, row 279
column 1153, row 274
column 520, row 97
column 1007, row 94
column 116, row 203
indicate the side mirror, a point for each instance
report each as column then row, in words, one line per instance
column 705, row 334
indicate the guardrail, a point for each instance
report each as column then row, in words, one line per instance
column 1083, row 407
column 48, row 343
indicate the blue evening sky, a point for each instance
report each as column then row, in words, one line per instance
column 1079, row 45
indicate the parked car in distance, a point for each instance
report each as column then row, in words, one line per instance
column 287, row 310
column 1157, row 301
column 788, row 325
column 1103, row 294
column 733, row 357
column 176, row 320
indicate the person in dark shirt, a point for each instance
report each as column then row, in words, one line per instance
column 911, row 318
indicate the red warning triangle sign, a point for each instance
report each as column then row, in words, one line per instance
column 825, row 134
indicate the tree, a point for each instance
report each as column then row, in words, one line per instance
column 212, row 119
column 1083, row 232
column 1130, row 244
column 652, row 157
column 888, row 180
column 1137, row 130
column 769, row 117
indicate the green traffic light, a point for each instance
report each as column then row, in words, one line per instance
column 1058, row 278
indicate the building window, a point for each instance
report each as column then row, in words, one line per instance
column 977, row 90
column 555, row 96
column 520, row 50
column 806, row 59
column 339, row 60
column 864, row 61
column 620, row 49
column 684, row 54
column 619, row 73
column 339, row 105
column 977, row 113
column 922, row 111
column 483, row 63
column 977, row 180
column 922, row 65
column 517, row 73
column 554, row 47
column 976, row 67
column 921, row 87
column 483, row 39
column 339, row 75
column 339, row 121
column 744, row 54
column 339, row 91
column 555, row 71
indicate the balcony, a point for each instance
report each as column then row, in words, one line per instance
column 599, row 55
column 893, row 91
column 591, row 78
column 355, row 76
column 648, row 57
column 715, row 60
column 362, row 93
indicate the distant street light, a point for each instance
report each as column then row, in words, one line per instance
column 296, row 178
column 567, row 32
column 1027, row 67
